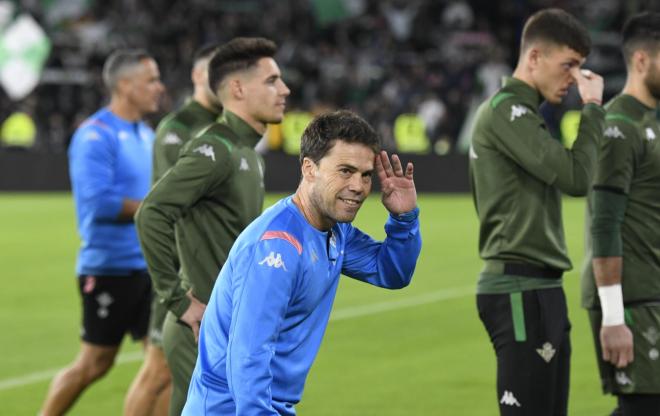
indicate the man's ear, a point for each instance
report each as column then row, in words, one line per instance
column 197, row 75
column 533, row 56
column 236, row 88
column 640, row 61
column 308, row 169
column 123, row 85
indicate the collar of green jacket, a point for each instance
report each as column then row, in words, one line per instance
column 522, row 90
column 634, row 108
column 204, row 113
column 246, row 134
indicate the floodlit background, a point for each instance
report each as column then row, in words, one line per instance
column 415, row 69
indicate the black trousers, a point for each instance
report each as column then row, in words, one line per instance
column 530, row 334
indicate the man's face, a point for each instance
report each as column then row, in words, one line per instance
column 552, row 72
column 143, row 88
column 652, row 78
column 265, row 92
column 342, row 181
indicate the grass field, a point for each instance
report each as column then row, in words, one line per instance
column 418, row 351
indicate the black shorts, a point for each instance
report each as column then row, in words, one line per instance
column 530, row 334
column 114, row 305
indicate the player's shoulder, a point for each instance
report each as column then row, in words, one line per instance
column 620, row 122
column 208, row 145
column 281, row 225
column 98, row 127
column 506, row 104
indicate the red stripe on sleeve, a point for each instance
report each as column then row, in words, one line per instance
column 283, row 235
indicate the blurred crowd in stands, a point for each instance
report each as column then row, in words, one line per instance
column 415, row 69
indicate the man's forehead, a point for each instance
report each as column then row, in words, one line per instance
column 351, row 153
column 564, row 52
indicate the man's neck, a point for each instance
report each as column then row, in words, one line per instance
column 521, row 73
column 240, row 112
column 124, row 110
column 302, row 201
column 636, row 88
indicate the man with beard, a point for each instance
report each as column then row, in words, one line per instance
column 272, row 301
column 209, row 196
column 518, row 173
column 621, row 283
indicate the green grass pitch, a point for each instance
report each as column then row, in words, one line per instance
column 417, row 351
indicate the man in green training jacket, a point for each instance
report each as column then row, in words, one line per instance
column 151, row 389
column 518, row 172
column 212, row 193
column 621, row 283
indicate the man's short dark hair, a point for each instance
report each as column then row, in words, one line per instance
column 119, row 63
column 238, row 54
column 641, row 31
column 324, row 131
column 557, row 27
column 205, row 52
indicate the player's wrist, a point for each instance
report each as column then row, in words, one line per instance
column 406, row 216
column 595, row 101
column 611, row 304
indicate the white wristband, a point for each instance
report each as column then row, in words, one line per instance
column 611, row 303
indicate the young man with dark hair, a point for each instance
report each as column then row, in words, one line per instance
column 271, row 303
column 109, row 178
column 209, row 196
column 518, row 172
column 621, row 283
column 151, row 389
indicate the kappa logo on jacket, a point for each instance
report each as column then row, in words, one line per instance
column 518, row 111
column 650, row 135
column 613, row 132
column 205, row 150
column 273, row 260
column 172, row 138
column 244, row 164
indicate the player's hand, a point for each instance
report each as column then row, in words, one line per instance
column 617, row 344
column 193, row 315
column 398, row 188
column 590, row 85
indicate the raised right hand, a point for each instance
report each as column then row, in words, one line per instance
column 590, row 85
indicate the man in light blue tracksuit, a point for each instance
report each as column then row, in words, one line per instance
column 271, row 303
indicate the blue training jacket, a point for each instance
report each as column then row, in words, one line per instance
column 271, row 303
column 109, row 160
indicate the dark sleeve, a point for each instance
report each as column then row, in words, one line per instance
column 170, row 137
column 204, row 163
column 617, row 161
column 521, row 136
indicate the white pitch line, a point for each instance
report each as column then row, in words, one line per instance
column 337, row 315
column 40, row 376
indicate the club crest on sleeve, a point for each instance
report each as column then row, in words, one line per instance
column 518, row 111
column 613, row 132
column 206, row 150
column 273, row 260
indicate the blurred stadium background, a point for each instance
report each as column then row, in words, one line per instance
column 416, row 69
